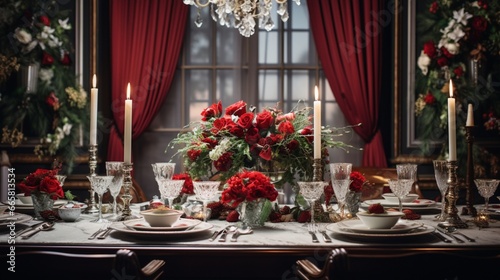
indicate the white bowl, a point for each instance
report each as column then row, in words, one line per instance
column 24, row 199
column 161, row 218
column 392, row 198
column 380, row 221
column 70, row 212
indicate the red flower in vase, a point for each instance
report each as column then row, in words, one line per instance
column 42, row 181
column 358, row 181
column 248, row 186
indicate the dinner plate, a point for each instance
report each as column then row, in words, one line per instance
column 416, row 203
column 181, row 224
column 121, row 227
column 336, row 228
column 359, row 227
column 6, row 218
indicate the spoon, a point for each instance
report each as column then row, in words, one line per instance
column 42, row 227
column 452, row 229
column 231, row 229
column 241, row 231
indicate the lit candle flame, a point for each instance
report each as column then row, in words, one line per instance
column 128, row 91
column 451, row 89
column 94, row 81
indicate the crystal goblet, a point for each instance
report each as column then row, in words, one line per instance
column 115, row 169
column 312, row 191
column 400, row 188
column 407, row 171
column 100, row 184
column 441, row 174
column 205, row 190
column 163, row 170
column 486, row 188
column 340, row 176
column 170, row 189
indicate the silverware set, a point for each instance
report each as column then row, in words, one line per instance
column 34, row 229
column 101, row 233
column 314, row 228
column 235, row 231
column 451, row 231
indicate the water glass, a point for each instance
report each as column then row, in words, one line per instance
column 100, row 185
column 441, row 174
column 486, row 188
column 205, row 191
column 115, row 169
column 341, row 179
column 170, row 189
column 163, row 170
column 400, row 188
column 312, row 191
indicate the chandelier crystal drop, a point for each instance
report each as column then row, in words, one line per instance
column 242, row 14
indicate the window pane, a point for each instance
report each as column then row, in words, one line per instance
column 268, row 88
column 197, row 41
column 299, row 16
column 228, row 45
column 268, row 47
column 198, row 92
column 228, row 86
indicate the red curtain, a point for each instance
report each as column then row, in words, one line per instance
column 347, row 35
column 146, row 38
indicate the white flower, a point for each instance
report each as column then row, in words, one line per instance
column 67, row 128
column 461, row 16
column 22, row 36
column 64, row 24
column 457, row 34
column 46, row 74
column 453, row 48
column 423, row 62
column 30, row 46
column 220, row 149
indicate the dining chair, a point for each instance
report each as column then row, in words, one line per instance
column 335, row 267
column 127, row 264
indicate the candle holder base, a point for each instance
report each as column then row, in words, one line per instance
column 92, row 206
column 126, row 196
column 452, row 218
column 317, row 170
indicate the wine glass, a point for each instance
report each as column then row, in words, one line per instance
column 312, row 191
column 341, row 179
column 163, row 170
column 205, row 190
column 407, row 171
column 170, row 189
column 441, row 174
column 400, row 188
column 100, row 184
column 115, row 169
column 486, row 188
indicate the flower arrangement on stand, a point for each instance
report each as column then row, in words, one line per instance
column 460, row 41
column 54, row 107
column 224, row 143
column 353, row 195
column 251, row 192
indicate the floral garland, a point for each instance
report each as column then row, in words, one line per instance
column 37, row 33
column 455, row 35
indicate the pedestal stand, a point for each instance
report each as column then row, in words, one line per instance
column 469, row 209
column 127, row 197
column 451, row 198
column 92, row 207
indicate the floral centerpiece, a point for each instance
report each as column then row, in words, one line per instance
column 459, row 40
column 250, row 191
column 33, row 33
column 44, row 187
column 225, row 142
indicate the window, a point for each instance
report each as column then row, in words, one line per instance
column 269, row 68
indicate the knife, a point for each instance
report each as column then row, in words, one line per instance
column 442, row 230
column 442, row 237
column 22, row 231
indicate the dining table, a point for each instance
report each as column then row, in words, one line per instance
column 268, row 252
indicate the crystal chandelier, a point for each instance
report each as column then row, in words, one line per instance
column 241, row 14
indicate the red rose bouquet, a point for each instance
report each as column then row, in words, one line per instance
column 225, row 142
column 358, row 180
column 42, row 181
column 248, row 186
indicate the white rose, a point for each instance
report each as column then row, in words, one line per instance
column 64, row 24
column 453, row 48
column 22, row 36
column 46, row 74
column 423, row 61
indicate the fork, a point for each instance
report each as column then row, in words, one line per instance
column 326, row 238
column 103, row 228
column 312, row 230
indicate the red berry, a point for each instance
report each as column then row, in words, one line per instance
column 233, row 216
column 376, row 208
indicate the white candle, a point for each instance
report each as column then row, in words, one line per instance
column 470, row 116
column 93, row 112
column 127, row 135
column 452, row 126
column 317, row 124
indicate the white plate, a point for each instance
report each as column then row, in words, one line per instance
column 335, row 228
column 16, row 218
column 416, row 203
column 121, row 227
column 21, row 205
column 140, row 224
column 359, row 227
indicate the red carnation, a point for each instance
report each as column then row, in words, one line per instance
column 357, row 181
column 429, row 98
column 193, row 154
column 44, row 20
column 430, row 49
column 47, row 59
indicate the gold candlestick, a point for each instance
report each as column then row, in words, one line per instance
column 469, row 209
column 451, row 198
column 92, row 207
column 317, row 170
column 126, row 196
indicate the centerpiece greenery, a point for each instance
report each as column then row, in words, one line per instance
column 224, row 143
column 37, row 33
column 459, row 41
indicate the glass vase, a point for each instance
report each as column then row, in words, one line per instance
column 254, row 213
column 352, row 201
column 41, row 202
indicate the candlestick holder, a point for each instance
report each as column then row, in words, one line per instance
column 451, row 198
column 317, row 170
column 92, row 207
column 127, row 197
column 469, row 208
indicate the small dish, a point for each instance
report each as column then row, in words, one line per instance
column 24, row 199
column 71, row 211
column 181, row 224
column 161, row 217
column 392, row 198
column 380, row 221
